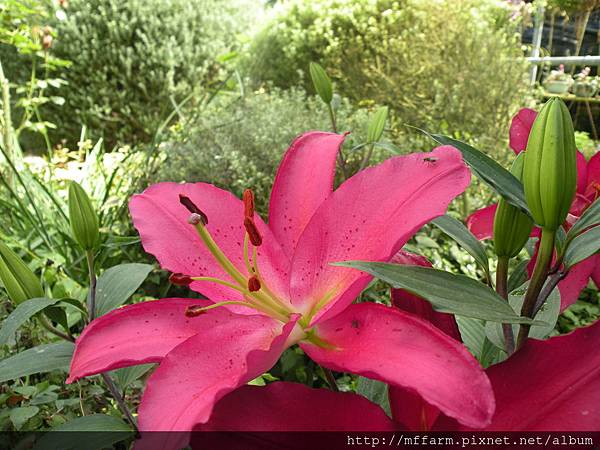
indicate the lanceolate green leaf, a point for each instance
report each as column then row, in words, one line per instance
column 447, row 292
column 117, row 284
column 22, row 314
column 96, row 432
column 582, row 247
column 40, row 359
column 461, row 234
column 499, row 179
column 590, row 218
column 376, row 391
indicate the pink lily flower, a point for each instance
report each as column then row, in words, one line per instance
column 532, row 392
column 481, row 222
column 272, row 286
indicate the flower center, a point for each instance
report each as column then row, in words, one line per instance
column 253, row 287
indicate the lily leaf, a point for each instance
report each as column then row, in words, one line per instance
column 447, row 292
column 22, row 313
column 461, row 234
column 582, row 247
column 40, row 359
column 590, row 218
column 117, row 284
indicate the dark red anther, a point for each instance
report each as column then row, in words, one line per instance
column 252, row 231
column 194, row 311
column 248, row 199
column 179, row 279
column 191, row 207
column 253, row 284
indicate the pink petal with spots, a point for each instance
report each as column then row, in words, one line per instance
column 596, row 272
column 593, row 177
column 520, row 128
column 201, row 370
column 409, row 408
column 162, row 223
column 481, row 222
column 402, row 350
column 137, row 334
column 370, row 217
column 289, row 407
column 575, row 282
column 303, row 181
column 551, row 385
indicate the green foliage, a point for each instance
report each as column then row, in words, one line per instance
column 134, row 60
column 238, row 144
column 449, row 66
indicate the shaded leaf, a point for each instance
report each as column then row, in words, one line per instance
column 40, row 359
column 22, row 313
column 582, row 247
column 117, row 284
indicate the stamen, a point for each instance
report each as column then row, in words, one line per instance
column 191, row 207
column 252, row 231
column 253, row 284
column 179, row 279
column 248, row 199
column 193, row 311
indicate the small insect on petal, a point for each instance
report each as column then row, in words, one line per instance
column 179, row 279
column 252, row 231
column 248, row 199
column 253, row 284
column 191, row 207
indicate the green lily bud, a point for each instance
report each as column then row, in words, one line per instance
column 84, row 221
column 377, row 124
column 511, row 226
column 550, row 169
column 19, row 281
column 321, row 82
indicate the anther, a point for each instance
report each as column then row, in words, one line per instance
column 248, row 199
column 194, row 311
column 191, row 207
column 252, row 231
column 179, row 279
column 253, row 284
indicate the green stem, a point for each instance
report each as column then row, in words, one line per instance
column 367, row 157
column 341, row 159
column 120, row 401
column 92, row 273
column 502, row 289
column 48, row 326
column 540, row 273
column 330, row 379
column 7, row 131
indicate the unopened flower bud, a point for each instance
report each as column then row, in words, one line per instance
column 19, row 281
column 83, row 217
column 511, row 226
column 47, row 41
column 321, row 82
column 550, row 168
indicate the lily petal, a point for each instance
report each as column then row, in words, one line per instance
column 200, row 371
column 398, row 196
column 575, row 282
column 582, row 173
column 288, row 407
column 481, row 222
column 303, row 181
column 593, row 171
column 596, row 272
column 137, row 334
column 389, row 345
column 406, row 406
column 534, row 393
column 162, row 223
column 519, row 129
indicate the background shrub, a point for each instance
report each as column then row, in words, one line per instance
column 133, row 60
column 239, row 144
column 448, row 66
